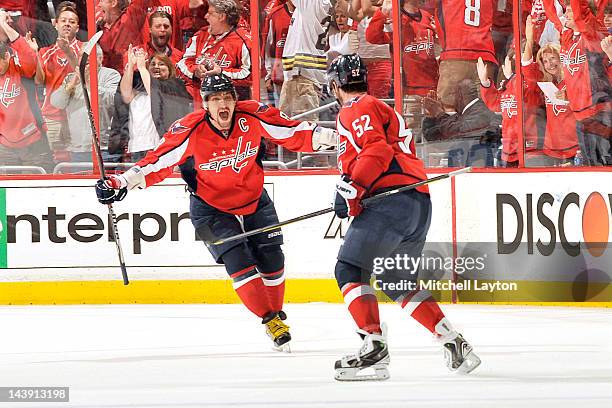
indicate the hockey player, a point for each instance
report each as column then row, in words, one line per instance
column 376, row 153
column 218, row 151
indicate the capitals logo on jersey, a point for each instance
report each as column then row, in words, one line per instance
column 177, row 128
column 573, row 59
column 8, row 96
column 235, row 158
column 421, row 44
column 208, row 59
column 556, row 108
column 509, row 106
column 61, row 61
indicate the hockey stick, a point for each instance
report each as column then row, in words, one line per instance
column 96, row 144
column 331, row 209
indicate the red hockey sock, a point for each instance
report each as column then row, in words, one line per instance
column 363, row 306
column 251, row 290
column 275, row 288
column 423, row 308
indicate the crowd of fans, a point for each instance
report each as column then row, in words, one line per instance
column 458, row 79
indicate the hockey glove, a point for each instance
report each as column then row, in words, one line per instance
column 347, row 201
column 111, row 189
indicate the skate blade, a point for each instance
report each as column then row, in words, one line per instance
column 285, row 348
column 381, row 373
column 470, row 363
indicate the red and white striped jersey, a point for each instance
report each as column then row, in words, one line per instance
column 375, row 149
column 561, row 138
column 231, row 51
column 55, row 66
column 585, row 70
column 419, row 63
column 17, row 124
column 225, row 170
column 505, row 100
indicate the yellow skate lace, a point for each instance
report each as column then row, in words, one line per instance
column 276, row 328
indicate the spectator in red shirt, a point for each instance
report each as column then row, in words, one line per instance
column 505, row 100
column 160, row 31
column 54, row 63
column 275, row 35
column 587, row 77
column 418, row 38
column 21, row 141
column 561, row 138
column 123, row 22
column 222, row 47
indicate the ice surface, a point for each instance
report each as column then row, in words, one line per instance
column 218, row 356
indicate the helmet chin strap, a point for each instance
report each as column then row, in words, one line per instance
column 334, row 89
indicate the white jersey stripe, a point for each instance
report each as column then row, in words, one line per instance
column 342, row 131
column 168, row 159
column 282, row 132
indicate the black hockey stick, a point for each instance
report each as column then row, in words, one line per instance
column 331, row 209
column 87, row 49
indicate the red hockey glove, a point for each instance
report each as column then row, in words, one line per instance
column 347, row 201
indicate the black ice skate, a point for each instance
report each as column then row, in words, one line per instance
column 372, row 356
column 277, row 330
column 458, row 353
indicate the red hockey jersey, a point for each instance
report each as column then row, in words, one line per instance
column 225, row 170
column 561, row 138
column 56, row 67
column 375, row 149
column 17, row 124
column 584, row 64
column 278, row 27
column 506, row 102
column 418, row 59
column 464, row 29
column 231, row 51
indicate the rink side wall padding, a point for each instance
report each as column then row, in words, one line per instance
column 55, row 246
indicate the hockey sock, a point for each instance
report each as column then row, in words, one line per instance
column 275, row 288
column 363, row 306
column 252, row 291
column 423, row 308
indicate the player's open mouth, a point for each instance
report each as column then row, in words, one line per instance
column 224, row 115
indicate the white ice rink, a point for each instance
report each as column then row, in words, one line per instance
column 218, row 356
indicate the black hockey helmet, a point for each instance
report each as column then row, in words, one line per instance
column 347, row 70
column 216, row 83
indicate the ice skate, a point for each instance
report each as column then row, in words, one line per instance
column 278, row 331
column 372, row 356
column 458, row 353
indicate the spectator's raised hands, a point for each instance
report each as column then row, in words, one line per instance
column 31, row 41
column 481, row 67
column 507, row 68
column 131, row 56
column 386, row 7
column 212, row 69
column 529, row 30
column 6, row 31
column 141, row 59
column 606, row 46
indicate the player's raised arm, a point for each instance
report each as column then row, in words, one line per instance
column 173, row 149
column 295, row 135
